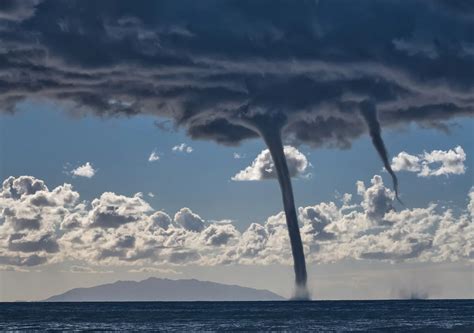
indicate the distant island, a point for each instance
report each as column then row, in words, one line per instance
column 155, row 289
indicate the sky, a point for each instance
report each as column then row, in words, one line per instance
column 145, row 154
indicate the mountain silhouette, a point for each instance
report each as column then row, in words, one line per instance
column 155, row 289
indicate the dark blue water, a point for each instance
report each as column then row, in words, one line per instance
column 332, row 316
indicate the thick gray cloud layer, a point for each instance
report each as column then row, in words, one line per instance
column 208, row 64
column 40, row 226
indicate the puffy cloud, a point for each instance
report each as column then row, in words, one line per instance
column 30, row 215
column 182, row 148
column 470, row 205
column 377, row 199
column 452, row 162
column 15, row 188
column 153, row 156
column 188, row 220
column 371, row 230
column 219, row 234
column 119, row 230
column 406, row 162
column 159, row 220
column 315, row 220
column 263, row 168
column 112, row 210
column 85, row 170
column 446, row 163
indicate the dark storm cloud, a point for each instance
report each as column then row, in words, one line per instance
column 199, row 63
column 17, row 10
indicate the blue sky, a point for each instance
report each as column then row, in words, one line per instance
column 42, row 141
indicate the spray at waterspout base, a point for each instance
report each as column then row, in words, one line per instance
column 301, row 293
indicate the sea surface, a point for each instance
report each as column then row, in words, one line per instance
column 330, row 316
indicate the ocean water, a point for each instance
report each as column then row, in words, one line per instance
column 330, row 316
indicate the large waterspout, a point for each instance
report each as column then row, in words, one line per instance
column 270, row 130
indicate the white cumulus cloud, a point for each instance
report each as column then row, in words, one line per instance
column 40, row 226
column 188, row 220
column 182, row 148
column 153, row 156
column 85, row 170
column 434, row 163
column 263, row 168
